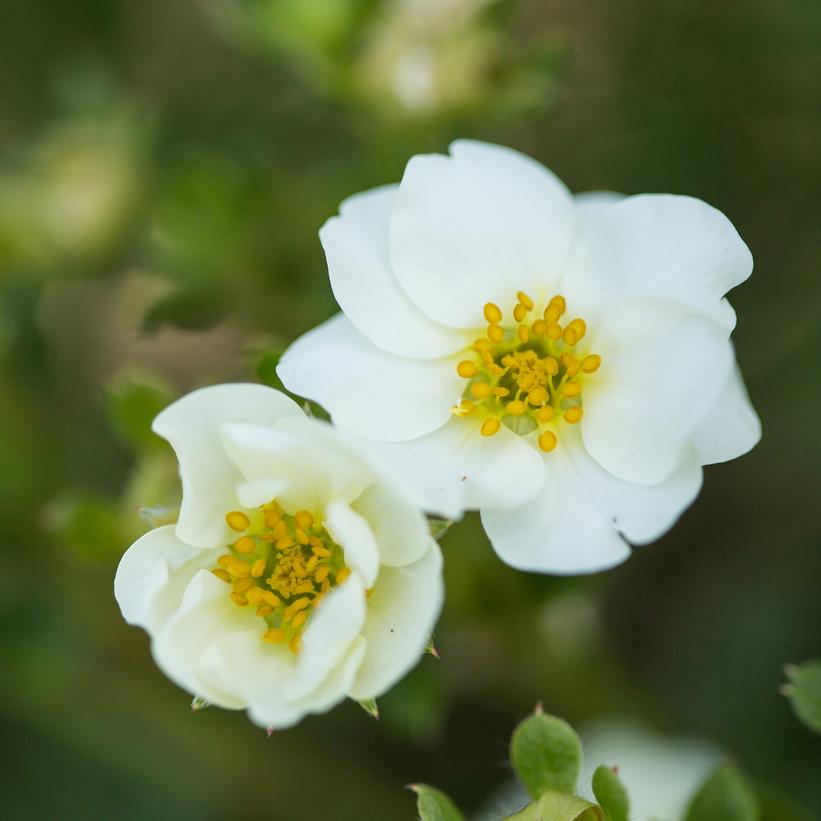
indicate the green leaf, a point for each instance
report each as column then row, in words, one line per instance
column 610, row 794
column 725, row 796
column 433, row 805
column 546, row 754
column 131, row 408
column 804, row 692
column 555, row 806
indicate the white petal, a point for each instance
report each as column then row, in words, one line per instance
column 731, row 428
column 191, row 425
column 367, row 390
column 663, row 369
column 400, row 529
column 329, row 634
column 401, row 612
column 662, row 246
column 151, row 576
column 303, row 459
column 356, row 246
column 206, row 614
column 268, row 710
column 560, row 531
column 457, row 469
column 351, row 531
column 478, row 226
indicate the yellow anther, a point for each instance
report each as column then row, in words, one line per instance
column 272, row 518
column 244, row 584
column 245, row 544
column 493, row 313
column 525, row 300
column 554, row 330
column 519, row 312
column 299, row 619
column 551, row 365
column 568, row 359
column 303, row 520
column 256, row 595
column 295, row 607
column 490, row 426
column 539, row 327
column 500, row 391
column 480, row 389
column 295, row 643
column 320, row 550
column 226, row 560
column 237, row 520
column 573, row 415
column 487, row 357
column 495, row 333
column 284, row 543
column 548, row 441
column 545, row 413
column 560, row 303
column 258, row 568
column 591, row 363
column 466, row 369
column 526, row 382
column 264, row 610
column 538, row 396
column 239, row 599
column 481, row 345
column 270, row 598
column 574, row 367
column 514, row 408
column 523, row 333
column 300, row 535
column 311, row 564
column 552, row 313
column 342, row 574
column 239, row 568
column 496, row 370
column 570, row 336
column 572, row 389
column 321, row 574
column 221, row 574
column 281, row 530
column 580, row 326
column 274, row 635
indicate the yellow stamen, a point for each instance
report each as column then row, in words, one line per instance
column 225, row 561
column 239, row 568
column 300, row 535
column 480, row 389
column 237, row 520
column 539, row 327
column 299, row 619
column 551, row 365
column 514, row 408
column 554, row 330
column 495, row 333
column 221, row 574
column 243, row 584
column 296, row 643
column 548, row 441
column 321, row 574
column 264, row 610
column 490, row 426
column 239, row 599
column 274, row 635
column 481, row 345
column 519, row 312
column 272, row 519
column 500, row 391
column 466, row 369
column 538, row 396
column 321, row 551
column 573, row 415
column 590, row 364
column 545, row 413
column 525, row 300
column 572, row 389
column 258, row 568
column 493, row 313
column 570, row 336
column 304, row 520
column 342, row 574
column 256, row 595
column 245, row 544
column 580, row 326
column 522, row 333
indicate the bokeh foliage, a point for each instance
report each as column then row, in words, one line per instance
column 164, row 168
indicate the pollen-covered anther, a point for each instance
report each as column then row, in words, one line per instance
column 490, row 426
column 237, row 520
column 572, row 389
column 548, row 441
column 466, row 369
column 573, row 415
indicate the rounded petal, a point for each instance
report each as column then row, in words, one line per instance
column 356, row 247
column 731, row 428
column 401, row 612
column 205, row 614
column 150, row 579
column 303, row 460
column 559, row 531
column 351, row 531
column 456, row 468
column 661, row 246
column 367, row 390
column 663, row 369
column 192, row 426
column 477, row 226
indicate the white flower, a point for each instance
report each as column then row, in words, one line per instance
column 298, row 572
column 661, row 775
column 562, row 364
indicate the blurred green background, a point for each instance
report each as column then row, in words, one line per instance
column 164, row 169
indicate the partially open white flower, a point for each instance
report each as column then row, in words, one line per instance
column 562, row 364
column 298, row 573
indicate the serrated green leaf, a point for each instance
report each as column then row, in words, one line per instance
column 610, row 794
column 434, row 805
column 131, row 408
column 804, row 692
column 554, row 806
column 546, row 754
column 725, row 796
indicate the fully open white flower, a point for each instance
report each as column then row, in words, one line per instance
column 298, row 573
column 562, row 364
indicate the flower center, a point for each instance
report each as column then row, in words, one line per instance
column 528, row 377
column 283, row 565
